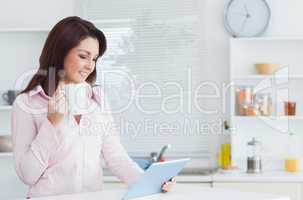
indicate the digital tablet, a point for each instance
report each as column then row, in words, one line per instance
column 154, row 177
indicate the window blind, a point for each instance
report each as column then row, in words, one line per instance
column 156, row 52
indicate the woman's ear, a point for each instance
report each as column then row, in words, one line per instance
column 61, row 74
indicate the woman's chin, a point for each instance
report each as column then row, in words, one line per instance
column 76, row 81
column 81, row 81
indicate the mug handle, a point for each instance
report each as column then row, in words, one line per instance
column 5, row 96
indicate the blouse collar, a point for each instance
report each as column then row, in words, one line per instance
column 39, row 90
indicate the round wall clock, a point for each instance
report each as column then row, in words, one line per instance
column 246, row 18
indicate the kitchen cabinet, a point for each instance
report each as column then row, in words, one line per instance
column 10, row 184
column 293, row 190
column 250, row 115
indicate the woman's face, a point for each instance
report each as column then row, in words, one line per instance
column 80, row 61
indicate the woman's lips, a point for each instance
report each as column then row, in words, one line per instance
column 83, row 74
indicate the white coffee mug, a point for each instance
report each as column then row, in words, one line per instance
column 77, row 99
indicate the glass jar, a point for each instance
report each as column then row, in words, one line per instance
column 254, row 162
column 264, row 100
column 251, row 110
column 243, row 97
column 290, row 107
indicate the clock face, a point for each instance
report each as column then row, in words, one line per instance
column 247, row 18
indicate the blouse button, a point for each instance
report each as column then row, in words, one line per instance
column 85, row 123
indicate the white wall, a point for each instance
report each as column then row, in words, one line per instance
column 20, row 50
column 33, row 13
column 287, row 18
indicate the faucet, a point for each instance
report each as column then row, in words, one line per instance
column 155, row 157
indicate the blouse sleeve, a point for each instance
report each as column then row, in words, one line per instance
column 118, row 160
column 114, row 154
column 32, row 145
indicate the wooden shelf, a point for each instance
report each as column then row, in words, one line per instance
column 268, row 39
column 268, row 117
column 258, row 77
column 3, row 108
column 6, row 154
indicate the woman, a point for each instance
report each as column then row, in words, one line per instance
column 56, row 152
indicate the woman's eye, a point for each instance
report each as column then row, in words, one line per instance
column 82, row 56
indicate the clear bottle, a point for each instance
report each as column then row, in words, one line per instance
column 292, row 160
column 254, row 161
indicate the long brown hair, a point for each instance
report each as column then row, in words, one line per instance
column 64, row 36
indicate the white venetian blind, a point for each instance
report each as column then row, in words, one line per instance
column 156, row 52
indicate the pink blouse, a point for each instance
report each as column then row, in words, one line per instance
column 67, row 158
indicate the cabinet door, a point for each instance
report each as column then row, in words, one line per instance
column 11, row 185
column 291, row 190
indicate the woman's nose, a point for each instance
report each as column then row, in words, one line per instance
column 90, row 65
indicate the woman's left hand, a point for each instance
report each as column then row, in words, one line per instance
column 166, row 187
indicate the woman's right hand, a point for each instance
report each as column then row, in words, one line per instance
column 57, row 105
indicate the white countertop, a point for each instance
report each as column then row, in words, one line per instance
column 236, row 176
column 179, row 192
column 180, row 178
column 232, row 176
column 265, row 176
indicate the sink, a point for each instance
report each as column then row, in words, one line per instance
column 199, row 172
column 144, row 163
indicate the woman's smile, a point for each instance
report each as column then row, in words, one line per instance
column 84, row 74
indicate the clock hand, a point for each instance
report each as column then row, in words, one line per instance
column 245, row 7
column 247, row 13
column 239, row 13
column 243, row 24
